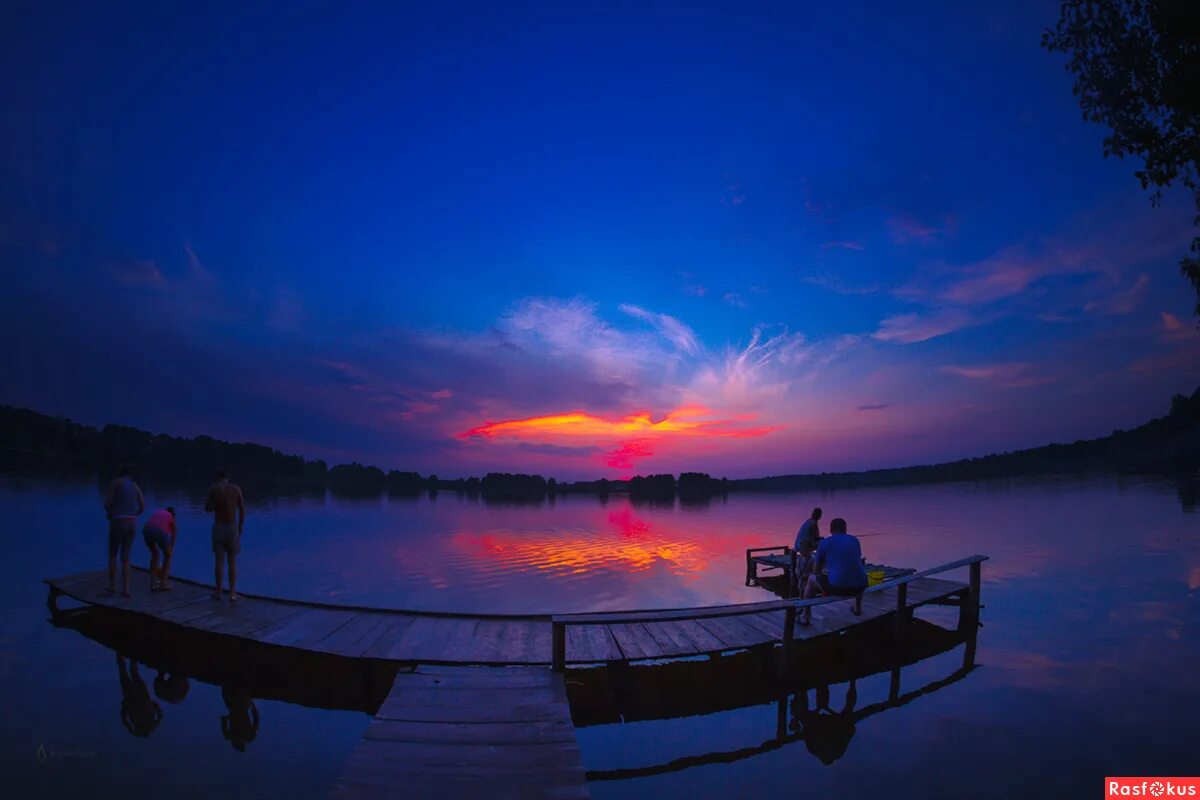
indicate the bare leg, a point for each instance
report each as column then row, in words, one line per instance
column 220, row 572
column 154, row 576
column 233, row 595
column 166, row 567
column 810, row 591
column 126, row 574
column 112, row 573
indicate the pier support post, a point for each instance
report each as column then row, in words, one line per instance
column 558, row 646
column 901, row 610
column 751, row 569
column 968, row 610
column 789, row 634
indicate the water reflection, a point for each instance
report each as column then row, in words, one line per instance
column 139, row 713
column 244, row 671
column 804, row 700
column 240, row 725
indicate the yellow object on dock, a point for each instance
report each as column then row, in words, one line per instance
column 875, row 577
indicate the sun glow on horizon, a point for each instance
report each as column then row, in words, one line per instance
column 687, row 420
column 627, row 439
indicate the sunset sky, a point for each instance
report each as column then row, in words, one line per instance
column 740, row 238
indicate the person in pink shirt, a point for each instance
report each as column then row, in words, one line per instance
column 159, row 535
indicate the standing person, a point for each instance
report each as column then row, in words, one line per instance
column 159, row 535
column 810, row 532
column 841, row 554
column 123, row 503
column 225, row 501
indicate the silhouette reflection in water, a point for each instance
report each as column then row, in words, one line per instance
column 826, row 733
column 244, row 672
column 171, row 687
column 699, row 687
column 240, row 725
column 139, row 713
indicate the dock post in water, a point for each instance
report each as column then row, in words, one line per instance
column 901, row 609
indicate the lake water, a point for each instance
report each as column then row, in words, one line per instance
column 1088, row 661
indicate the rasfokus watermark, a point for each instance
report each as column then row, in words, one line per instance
column 1151, row 787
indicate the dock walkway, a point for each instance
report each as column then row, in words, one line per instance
column 466, row 732
column 498, row 640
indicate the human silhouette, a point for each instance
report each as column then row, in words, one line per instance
column 240, row 725
column 171, row 687
column 139, row 713
column 827, row 733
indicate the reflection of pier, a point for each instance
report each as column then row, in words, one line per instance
column 697, row 688
column 436, row 724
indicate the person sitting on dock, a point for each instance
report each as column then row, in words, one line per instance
column 839, row 567
column 124, row 503
column 159, row 535
column 810, row 532
column 225, row 501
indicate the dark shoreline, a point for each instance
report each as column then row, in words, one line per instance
column 1168, row 446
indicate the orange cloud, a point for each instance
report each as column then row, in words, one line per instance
column 686, row 421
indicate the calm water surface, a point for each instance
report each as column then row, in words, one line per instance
column 1088, row 661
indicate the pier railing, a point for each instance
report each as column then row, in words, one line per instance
column 968, row 615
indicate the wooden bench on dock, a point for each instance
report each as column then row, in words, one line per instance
column 785, row 558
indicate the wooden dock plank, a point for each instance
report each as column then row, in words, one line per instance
column 734, row 632
column 461, row 639
column 636, row 642
column 469, row 732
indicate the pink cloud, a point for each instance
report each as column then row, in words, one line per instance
column 844, row 244
column 1011, row 375
column 913, row 328
column 906, row 228
column 442, row 394
column 629, row 452
column 1123, row 301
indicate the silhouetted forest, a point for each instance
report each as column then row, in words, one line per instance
column 1169, row 444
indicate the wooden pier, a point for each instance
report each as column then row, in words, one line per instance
column 472, row 672
column 450, row 732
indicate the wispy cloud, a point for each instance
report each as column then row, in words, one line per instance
column 919, row 327
column 1124, row 300
column 875, row 407
column 1018, row 374
column 844, row 244
column 838, row 286
column 907, row 228
column 734, row 299
column 676, row 332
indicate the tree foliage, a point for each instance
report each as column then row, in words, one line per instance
column 1137, row 70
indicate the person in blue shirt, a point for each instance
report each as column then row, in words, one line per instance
column 839, row 567
column 810, row 532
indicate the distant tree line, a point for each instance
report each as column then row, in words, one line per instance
column 1169, row 444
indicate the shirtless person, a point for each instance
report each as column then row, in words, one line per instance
column 225, row 501
column 123, row 502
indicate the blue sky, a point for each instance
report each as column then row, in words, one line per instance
column 836, row 236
